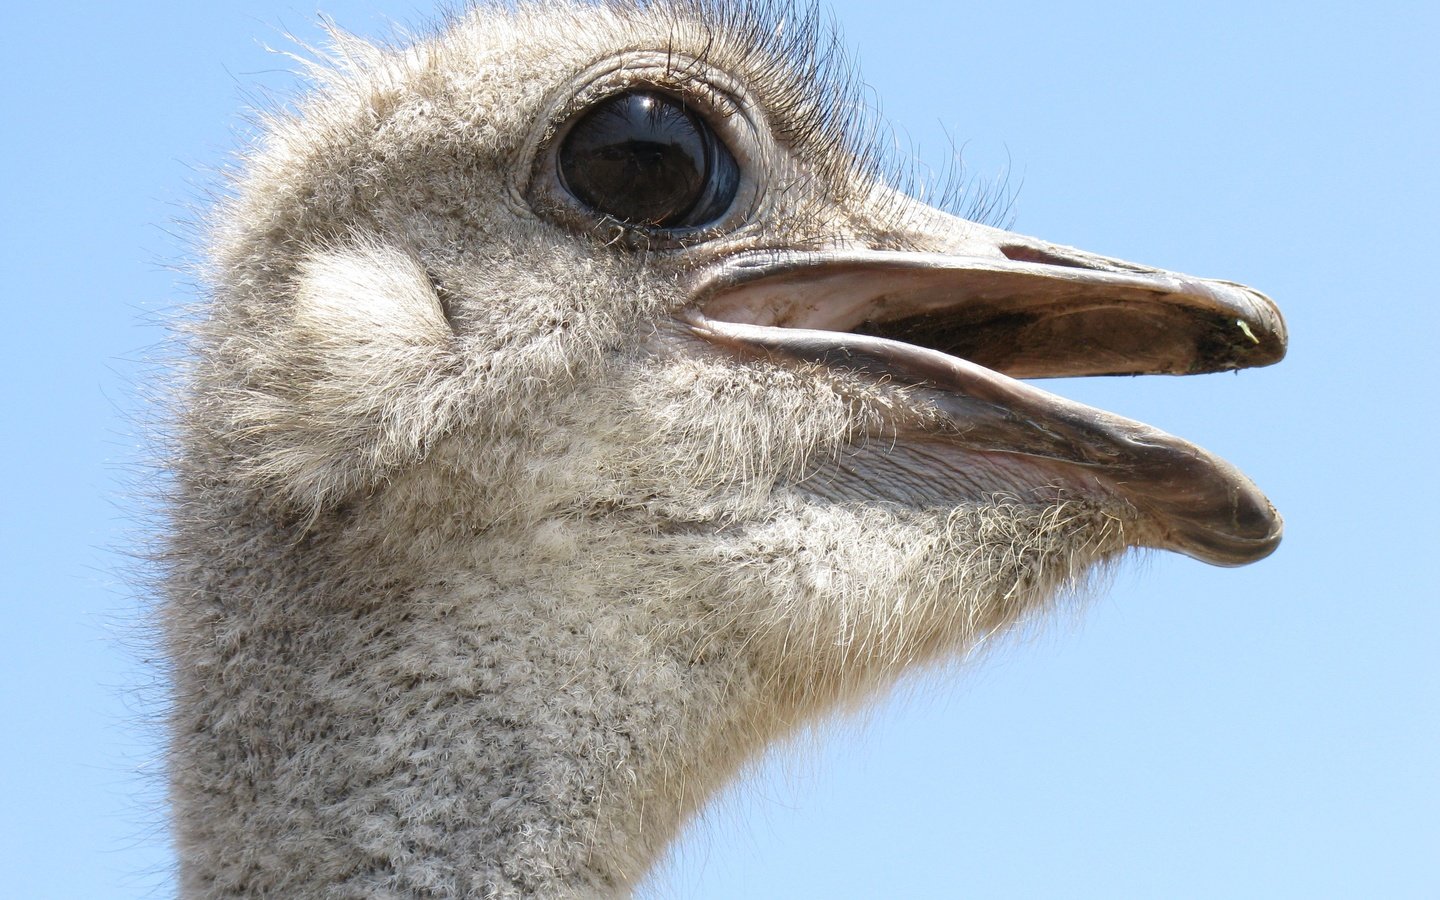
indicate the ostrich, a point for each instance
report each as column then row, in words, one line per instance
column 576, row 411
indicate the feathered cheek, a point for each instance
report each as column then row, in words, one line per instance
column 367, row 348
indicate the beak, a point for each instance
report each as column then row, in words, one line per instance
column 1008, row 302
column 982, row 307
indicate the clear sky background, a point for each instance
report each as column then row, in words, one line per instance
column 1270, row 731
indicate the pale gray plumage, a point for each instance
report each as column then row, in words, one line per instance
column 490, row 561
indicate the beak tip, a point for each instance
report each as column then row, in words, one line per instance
column 1260, row 331
column 1252, row 532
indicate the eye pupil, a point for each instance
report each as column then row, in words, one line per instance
column 643, row 158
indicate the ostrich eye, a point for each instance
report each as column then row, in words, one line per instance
column 644, row 159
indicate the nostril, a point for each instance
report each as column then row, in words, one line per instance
column 1024, row 253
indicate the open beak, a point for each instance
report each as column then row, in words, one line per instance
column 962, row 325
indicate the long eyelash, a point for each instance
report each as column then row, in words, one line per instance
column 795, row 56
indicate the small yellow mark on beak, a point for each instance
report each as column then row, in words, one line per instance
column 1245, row 327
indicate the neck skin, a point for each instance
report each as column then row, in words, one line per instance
column 373, row 704
column 467, row 734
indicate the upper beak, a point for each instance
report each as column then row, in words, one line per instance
column 1011, row 303
column 979, row 307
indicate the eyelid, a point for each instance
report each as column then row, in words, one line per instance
column 712, row 95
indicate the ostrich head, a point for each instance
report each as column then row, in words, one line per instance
column 577, row 411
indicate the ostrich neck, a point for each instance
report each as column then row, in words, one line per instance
column 464, row 732
column 401, row 701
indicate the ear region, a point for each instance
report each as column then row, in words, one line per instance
column 355, row 378
column 367, row 303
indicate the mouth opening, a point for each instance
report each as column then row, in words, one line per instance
column 962, row 330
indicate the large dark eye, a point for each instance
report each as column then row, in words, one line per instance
column 644, row 159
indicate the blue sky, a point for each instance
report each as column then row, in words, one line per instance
column 1270, row 731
